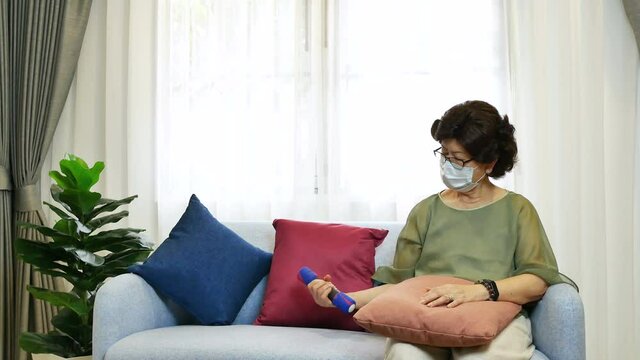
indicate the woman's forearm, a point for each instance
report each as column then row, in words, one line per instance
column 363, row 297
column 521, row 289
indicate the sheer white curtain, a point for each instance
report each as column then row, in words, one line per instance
column 316, row 109
column 391, row 73
column 110, row 112
column 574, row 75
column 232, row 114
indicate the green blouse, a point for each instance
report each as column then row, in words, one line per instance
column 499, row 240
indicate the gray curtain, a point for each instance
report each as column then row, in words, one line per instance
column 7, row 320
column 632, row 7
column 40, row 46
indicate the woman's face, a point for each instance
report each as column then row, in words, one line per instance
column 457, row 154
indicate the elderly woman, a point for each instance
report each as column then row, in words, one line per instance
column 473, row 230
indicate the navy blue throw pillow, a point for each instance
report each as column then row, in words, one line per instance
column 205, row 267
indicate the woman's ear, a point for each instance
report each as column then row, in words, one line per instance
column 490, row 166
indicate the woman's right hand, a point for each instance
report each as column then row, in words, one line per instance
column 320, row 289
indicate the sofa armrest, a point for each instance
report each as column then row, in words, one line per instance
column 126, row 304
column 557, row 323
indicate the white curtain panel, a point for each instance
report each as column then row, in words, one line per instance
column 110, row 112
column 313, row 110
column 574, row 80
column 390, row 74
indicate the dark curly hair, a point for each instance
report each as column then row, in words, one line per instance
column 483, row 133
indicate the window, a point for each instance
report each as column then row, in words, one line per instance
column 317, row 109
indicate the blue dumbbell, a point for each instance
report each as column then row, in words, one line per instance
column 341, row 300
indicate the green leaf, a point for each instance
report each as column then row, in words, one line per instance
column 112, row 218
column 96, row 170
column 88, row 257
column 130, row 256
column 48, row 259
column 56, row 298
column 82, row 228
column 55, row 195
column 116, row 243
column 104, row 200
column 62, row 181
column 77, row 201
column 52, row 343
column 47, row 231
column 57, row 269
column 59, row 211
column 79, row 172
column 74, row 280
column 138, row 244
column 72, row 227
column 80, row 202
column 59, row 238
column 68, row 227
column 89, row 284
column 111, row 205
column 110, row 272
column 69, row 323
column 44, row 255
column 123, row 259
column 117, row 232
column 77, row 159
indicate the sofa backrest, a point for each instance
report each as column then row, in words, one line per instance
column 262, row 235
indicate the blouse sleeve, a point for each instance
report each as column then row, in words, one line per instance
column 533, row 252
column 408, row 248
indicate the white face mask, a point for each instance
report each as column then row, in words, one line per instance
column 458, row 179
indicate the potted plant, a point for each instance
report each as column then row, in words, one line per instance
column 76, row 251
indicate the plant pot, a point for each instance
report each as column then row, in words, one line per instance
column 56, row 357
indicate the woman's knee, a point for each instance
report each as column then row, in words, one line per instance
column 514, row 342
column 397, row 350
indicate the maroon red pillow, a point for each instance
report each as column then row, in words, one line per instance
column 345, row 252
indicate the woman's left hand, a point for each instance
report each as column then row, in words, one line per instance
column 453, row 295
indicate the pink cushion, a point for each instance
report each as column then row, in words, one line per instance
column 345, row 252
column 398, row 314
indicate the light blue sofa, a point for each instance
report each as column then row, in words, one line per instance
column 133, row 322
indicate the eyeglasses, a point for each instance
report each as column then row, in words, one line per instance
column 455, row 162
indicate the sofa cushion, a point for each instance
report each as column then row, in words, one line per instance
column 398, row 313
column 248, row 342
column 205, row 267
column 251, row 307
column 345, row 252
column 244, row 342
